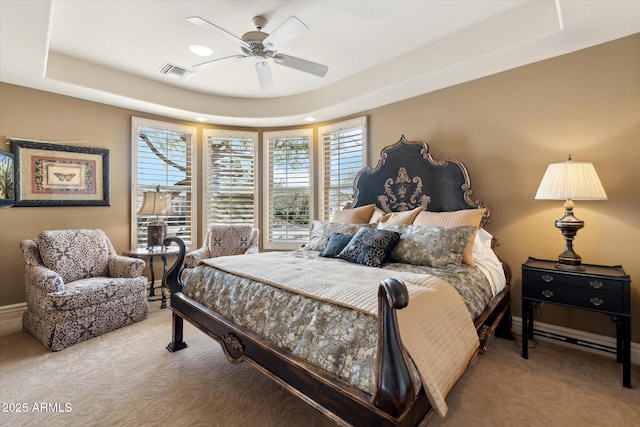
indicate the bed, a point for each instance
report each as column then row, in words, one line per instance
column 362, row 322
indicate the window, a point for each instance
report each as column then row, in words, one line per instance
column 230, row 178
column 288, row 197
column 343, row 155
column 162, row 155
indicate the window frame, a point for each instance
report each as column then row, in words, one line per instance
column 231, row 134
column 266, row 137
column 136, row 124
column 324, row 131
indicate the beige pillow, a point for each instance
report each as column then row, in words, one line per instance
column 377, row 216
column 404, row 217
column 360, row 215
column 459, row 218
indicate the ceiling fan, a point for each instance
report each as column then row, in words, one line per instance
column 263, row 46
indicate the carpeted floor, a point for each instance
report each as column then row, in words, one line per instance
column 127, row 378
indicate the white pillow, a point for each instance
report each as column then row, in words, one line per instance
column 487, row 261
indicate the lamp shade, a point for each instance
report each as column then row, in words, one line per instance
column 571, row 181
column 156, row 203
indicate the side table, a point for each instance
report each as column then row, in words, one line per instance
column 151, row 254
column 604, row 289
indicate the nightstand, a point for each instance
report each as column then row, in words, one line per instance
column 151, row 254
column 597, row 288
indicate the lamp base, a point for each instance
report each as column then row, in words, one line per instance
column 155, row 235
column 569, row 226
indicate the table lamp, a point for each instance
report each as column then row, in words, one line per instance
column 570, row 181
column 158, row 204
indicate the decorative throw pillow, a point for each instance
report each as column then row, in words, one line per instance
column 320, row 232
column 404, row 217
column 438, row 247
column 336, row 244
column 459, row 218
column 370, row 246
column 360, row 215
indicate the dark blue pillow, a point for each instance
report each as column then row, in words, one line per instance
column 370, row 246
column 336, row 244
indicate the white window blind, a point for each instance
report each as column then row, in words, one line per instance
column 163, row 156
column 230, row 176
column 343, row 155
column 288, row 200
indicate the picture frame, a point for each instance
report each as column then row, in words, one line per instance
column 48, row 174
column 7, row 192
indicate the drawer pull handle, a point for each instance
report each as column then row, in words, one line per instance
column 595, row 284
column 596, row 301
column 547, row 278
column 547, row 293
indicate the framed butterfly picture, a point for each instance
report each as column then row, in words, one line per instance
column 48, row 174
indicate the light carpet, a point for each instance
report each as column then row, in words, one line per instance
column 128, row 378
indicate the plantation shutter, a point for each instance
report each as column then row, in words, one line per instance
column 162, row 159
column 343, row 155
column 230, row 176
column 288, row 187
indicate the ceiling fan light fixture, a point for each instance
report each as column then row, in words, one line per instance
column 201, row 50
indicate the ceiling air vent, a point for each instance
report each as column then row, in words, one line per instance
column 175, row 72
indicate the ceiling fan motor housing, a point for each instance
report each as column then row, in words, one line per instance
column 255, row 38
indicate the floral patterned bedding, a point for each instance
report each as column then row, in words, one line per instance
column 339, row 340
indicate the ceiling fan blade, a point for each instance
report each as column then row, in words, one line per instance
column 264, row 75
column 301, row 64
column 287, row 31
column 216, row 62
column 224, row 33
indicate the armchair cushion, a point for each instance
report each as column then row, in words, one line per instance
column 75, row 254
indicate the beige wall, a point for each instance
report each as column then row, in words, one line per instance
column 506, row 128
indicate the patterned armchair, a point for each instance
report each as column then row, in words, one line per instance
column 224, row 240
column 77, row 287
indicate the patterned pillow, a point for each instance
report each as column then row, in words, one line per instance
column 370, row 246
column 75, row 254
column 438, row 247
column 336, row 244
column 320, row 232
column 454, row 219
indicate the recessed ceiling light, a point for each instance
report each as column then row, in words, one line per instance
column 201, row 50
column 310, row 119
column 201, row 119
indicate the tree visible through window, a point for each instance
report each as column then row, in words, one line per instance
column 288, row 187
column 162, row 159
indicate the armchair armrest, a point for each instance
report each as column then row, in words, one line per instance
column 43, row 278
column 125, row 267
column 194, row 257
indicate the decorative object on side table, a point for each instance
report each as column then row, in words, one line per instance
column 570, row 181
column 158, row 204
column 599, row 288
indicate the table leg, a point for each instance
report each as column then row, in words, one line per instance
column 626, row 343
column 152, row 291
column 525, row 329
column 163, row 304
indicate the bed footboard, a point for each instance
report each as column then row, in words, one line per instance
column 394, row 402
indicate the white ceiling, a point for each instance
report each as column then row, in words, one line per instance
column 377, row 52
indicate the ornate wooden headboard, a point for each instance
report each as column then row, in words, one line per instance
column 407, row 176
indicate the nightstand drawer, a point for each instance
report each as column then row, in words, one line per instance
column 579, row 282
column 570, row 296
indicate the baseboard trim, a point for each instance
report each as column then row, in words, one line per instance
column 597, row 340
column 13, row 311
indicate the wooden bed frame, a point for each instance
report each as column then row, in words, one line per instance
column 406, row 177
